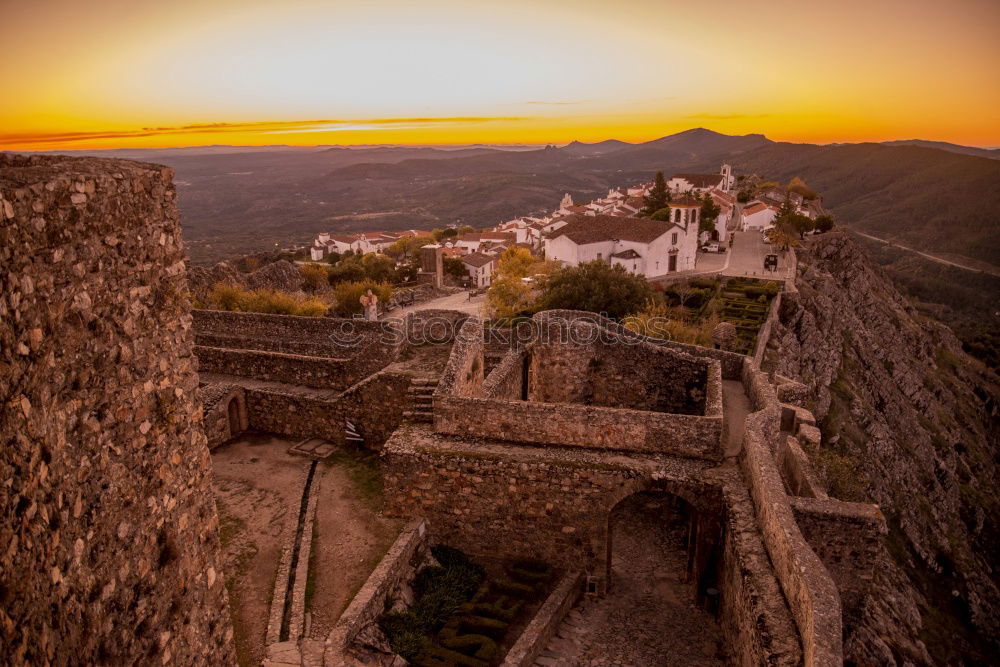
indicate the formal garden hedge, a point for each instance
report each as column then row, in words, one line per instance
column 461, row 616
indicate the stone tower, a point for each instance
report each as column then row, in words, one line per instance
column 109, row 548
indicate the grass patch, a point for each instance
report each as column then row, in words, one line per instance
column 363, row 470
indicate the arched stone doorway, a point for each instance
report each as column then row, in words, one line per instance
column 661, row 594
column 235, row 425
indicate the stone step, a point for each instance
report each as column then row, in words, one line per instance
column 423, row 382
column 418, row 416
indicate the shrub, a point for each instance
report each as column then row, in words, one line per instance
column 348, row 295
column 597, row 287
column 314, row 276
column 230, row 297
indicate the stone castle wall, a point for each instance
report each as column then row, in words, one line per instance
column 296, row 369
column 109, row 551
column 462, row 392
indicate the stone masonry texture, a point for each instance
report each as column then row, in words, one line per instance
column 108, row 530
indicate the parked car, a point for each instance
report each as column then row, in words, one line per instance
column 711, row 247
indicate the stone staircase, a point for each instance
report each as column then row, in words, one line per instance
column 351, row 434
column 421, row 395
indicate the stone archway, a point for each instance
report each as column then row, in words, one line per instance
column 650, row 608
column 233, row 413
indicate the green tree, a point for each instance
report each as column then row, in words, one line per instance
column 444, row 234
column 598, row 287
column 378, row 268
column 454, row 267
column 658, row 196
column 662, row 215
column 348, row 269
column 709, row 214
column 824, row 223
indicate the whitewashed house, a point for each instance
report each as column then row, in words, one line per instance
column 757, row 215
column 642, row 246
column 479, row 266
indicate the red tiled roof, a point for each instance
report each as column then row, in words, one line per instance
column 701, row 180
column 596, row 228
column 477, row 259
column 627, row 254
column 755, row 208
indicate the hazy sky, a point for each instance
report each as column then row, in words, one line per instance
column 117, row 73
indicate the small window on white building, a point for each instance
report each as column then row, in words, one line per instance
column 673, row 239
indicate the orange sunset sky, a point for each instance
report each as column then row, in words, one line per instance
column 136, row 74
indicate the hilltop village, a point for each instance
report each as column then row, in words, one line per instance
column 617, row 228
column 428, row 490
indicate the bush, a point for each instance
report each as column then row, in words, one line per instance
column 348, row 295
column 314, row 276
column 230, row 297
column 597, row 287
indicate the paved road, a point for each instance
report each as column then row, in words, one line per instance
column 748, row 254
column 459, row 301
column 746, row 258
column 933, row 258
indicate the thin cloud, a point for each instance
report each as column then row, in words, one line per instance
column 726, row 116
column 557, row 103
column 263, row 127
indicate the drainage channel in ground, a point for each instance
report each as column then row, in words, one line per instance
column 299, row 563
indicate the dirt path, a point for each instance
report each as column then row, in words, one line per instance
column 735, row 408
column 258, row 489
column 350, row 538
column 647, row 619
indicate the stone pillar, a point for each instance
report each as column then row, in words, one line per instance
column 109, row 548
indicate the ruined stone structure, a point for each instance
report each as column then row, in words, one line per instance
column 109, row 551
column 108, row 515
column 533, row 456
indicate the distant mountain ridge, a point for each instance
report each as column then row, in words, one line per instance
column 992, row 153
column 932, row 196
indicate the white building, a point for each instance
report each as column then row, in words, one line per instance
column 642, row 246
column 699, row 183
column 480, row 268
column 757, row 215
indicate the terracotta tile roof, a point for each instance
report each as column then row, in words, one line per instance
column 596, row 228
column 755, row 208
column 701, row 180
column 685, row 201
column 477, row 259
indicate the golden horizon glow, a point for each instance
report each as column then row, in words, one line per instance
column 121, row 74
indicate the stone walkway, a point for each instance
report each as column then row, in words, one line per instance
column 648, row 618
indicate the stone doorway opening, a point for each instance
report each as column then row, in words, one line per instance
column 661, row 592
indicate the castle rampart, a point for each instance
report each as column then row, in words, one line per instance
column 107, row 509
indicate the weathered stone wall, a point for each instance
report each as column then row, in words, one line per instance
column 846, row 537
column 732, row 362
column 461, row 393
column 808, row 587
column 219, row 399
column 506, row 381
column 296, row 369
column 433, row 326
column 577, row 362
column 370, row 601
column 495, row 500
column 295, row 415
column 108, row 527
column 334, row 337
column 375, row 405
